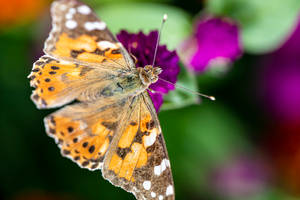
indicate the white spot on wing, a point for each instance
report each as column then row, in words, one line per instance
column 106, row 44
column 70, row 13
column 69, row 16
column 153, row 194
column 63, row 7
column 169, row 190
column 160, row 197
column 157, row 170
column 162, row 167
column 71, row 24
column 167, row 163
column 72, row 10
column 90, row 26
column 147, row 185
column 85, row 10
column 150, row 139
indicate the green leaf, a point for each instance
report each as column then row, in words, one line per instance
column 147, row 16
column 265, row 23
column 198, row 138
column 179, row 97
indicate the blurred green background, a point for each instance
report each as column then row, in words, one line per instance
column 236, row 148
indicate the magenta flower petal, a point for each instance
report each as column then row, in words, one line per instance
column 282, row 91
column 280, row 80
column 142, row 47
column 240, row 177
column 214, row 38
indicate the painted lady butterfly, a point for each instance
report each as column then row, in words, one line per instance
column 113, row 126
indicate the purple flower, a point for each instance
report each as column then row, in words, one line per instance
column 142, row 47
column 240, row 177
column 215, row 39
column 281, row 90
column 280, row 80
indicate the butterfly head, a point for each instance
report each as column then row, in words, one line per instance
column 149, row 74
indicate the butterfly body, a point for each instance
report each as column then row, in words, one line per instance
column 131, row 83
column 113, row 126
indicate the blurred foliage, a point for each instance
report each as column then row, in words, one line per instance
column 265, row 24
column 201, row 140
column 181, row 97
column 146, row 17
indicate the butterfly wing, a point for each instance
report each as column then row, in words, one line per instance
column 84, row 131
column 138, row 160
column 78, row 35
column 78, row 56
column 59, row 82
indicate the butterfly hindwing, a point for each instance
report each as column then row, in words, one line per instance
column 84, row 131
column 78, row 35
column 138, row 160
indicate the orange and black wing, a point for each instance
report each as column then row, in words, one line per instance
column 78, row 35
column 80, row 53
column 138, row 160
column 59, row 82
column 84, row 131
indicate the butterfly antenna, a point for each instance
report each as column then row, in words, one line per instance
column 191, row 91
column 165, row 17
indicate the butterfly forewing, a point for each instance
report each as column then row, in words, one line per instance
column 58, row 82
column 85, row 131
column 80, row 36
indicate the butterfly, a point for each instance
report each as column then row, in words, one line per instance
column 112, row 124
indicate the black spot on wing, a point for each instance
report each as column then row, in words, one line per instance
column 116, row 51
column 150, row 125
column 85, row 144
column 92, row 149
column 70, row 129
column 75, row 53
column 122, row 152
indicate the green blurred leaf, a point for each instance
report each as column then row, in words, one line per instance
column 147, row 16
column 265, row 23
column 200, row 137
column 180, row 98
column 214, row 132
